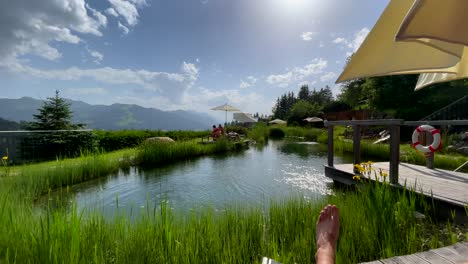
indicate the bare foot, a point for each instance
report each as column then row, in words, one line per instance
column 327, row 231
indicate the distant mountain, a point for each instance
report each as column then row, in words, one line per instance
column 7, row 125
column 112, row 117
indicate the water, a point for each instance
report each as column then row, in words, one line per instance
column 250, row 178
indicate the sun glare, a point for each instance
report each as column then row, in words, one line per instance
column 293, row 6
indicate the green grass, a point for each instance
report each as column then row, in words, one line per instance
column 375, row 223
column 155, row 153
column 259, row 133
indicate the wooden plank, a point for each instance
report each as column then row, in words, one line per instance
column 330, row 145
column 450, row 253
column 408, row 259
column 443, row 185
column 432, row 257
column 373, row 262
column 357, row 144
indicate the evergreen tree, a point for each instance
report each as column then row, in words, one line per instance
column 54, row 114
column 303, row 93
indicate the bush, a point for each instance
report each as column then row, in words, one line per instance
column 238, row 129
column 115, row 140
column 41, row 146
column 277, row 133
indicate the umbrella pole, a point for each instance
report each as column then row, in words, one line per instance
column 225, row 119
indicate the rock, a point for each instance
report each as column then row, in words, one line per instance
column 159, row 139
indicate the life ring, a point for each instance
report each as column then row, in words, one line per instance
column 435, row 143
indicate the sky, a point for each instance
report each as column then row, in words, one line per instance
column 178, row 54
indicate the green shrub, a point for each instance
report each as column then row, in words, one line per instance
column 115, row 140
column 276, row 133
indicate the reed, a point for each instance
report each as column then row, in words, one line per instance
column 376, row 222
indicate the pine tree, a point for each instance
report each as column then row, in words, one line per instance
column 54, row 114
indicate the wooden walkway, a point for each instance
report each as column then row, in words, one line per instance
column 444, row 185
column 455, row 254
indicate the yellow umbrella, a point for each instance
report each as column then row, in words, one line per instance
column 441, row 25
column 381, row 55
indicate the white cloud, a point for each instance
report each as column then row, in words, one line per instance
column 356, row 42
column 359, row 37
column 85, row 91
column 251, row 102
column 307, row 36
column 128, row 9
column 98, row 57
column 340, row 41
column 298, row 74
column 28, row 28
column 170, row 85
column 328, row 77
column 251, row 80
column 111, row 11
column 123, row 28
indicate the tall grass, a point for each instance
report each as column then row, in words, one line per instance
column 376, row 222
column 259, row 133
column 154, row 153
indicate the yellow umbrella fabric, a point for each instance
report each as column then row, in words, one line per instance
column 441, row 25
column 381, row 55
column 444, row 21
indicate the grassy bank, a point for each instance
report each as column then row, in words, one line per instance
column 375, row 223
column 370, row 151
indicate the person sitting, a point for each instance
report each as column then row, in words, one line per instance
column 215, row 133
column 221, row 130
column 327, row 232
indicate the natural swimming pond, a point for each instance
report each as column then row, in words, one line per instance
column 277, row 170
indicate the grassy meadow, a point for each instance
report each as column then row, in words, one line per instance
column 376, row 221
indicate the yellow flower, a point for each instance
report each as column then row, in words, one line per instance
column 359, row 167
column 5, row 158
column 357, row 177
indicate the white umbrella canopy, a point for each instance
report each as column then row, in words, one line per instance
column 410, row 37
column 277, row 121
column 226, row 108
column 313, row 119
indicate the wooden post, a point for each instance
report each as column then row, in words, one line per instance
column 394, row 153
column 330, row 145
column 357, row 145
column 428, row 139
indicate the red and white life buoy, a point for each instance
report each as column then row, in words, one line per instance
column 435, row 143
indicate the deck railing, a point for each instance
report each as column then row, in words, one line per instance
column 394, row 127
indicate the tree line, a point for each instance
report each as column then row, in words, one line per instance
column 393, row 96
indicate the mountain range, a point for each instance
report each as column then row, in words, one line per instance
column 112, row 117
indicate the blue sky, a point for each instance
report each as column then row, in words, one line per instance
column 178, row 54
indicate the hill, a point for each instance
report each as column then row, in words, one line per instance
column 112, row 117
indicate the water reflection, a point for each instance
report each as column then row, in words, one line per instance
column 278, row 170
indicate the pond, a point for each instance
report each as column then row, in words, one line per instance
column 254, row 177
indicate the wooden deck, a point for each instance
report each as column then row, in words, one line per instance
column 454, row 254
column 447, row 186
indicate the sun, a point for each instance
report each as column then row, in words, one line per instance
column 292, row 6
